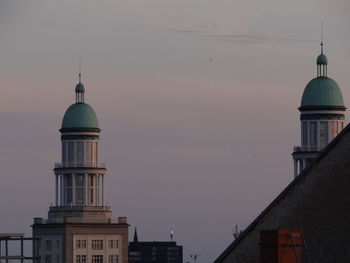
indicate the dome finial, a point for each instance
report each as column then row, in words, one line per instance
column 322, row 60
column 79, row 88
column 80, row 69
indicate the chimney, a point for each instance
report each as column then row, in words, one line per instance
column 280, row 246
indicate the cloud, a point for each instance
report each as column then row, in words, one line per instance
column 206, row 32
column 258, row 39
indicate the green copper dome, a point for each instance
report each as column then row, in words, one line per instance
column 80, row 115
column 322, row 92
column 322, row 59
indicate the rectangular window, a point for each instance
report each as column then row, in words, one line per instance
column 79, row 196
column 48, row 259
column 97, row 244
column 323, row 133
column 80, row 154
column 57, row 244
column 78, row 244
column 91, row 180
column 88, row 152
column 91, row 196
column 304, row 134
column 71, row 152
column 79, row 180
column 334, row 129
column 96, row 152
column 313, row 135
column 68, row 180
column 97, row 259
column 80, row 259
column 83, row 244
column 113, row 259
column 64, row 145
column 68, row 196
column 113, row 244
column 48, row 244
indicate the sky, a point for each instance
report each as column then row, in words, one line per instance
column 197, row 101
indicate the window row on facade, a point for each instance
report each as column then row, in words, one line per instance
column 96, row 244
column 317, row 134
column 79, row 152
column 49, row 259
column 84, row 187
column 97, row 259
column 49, row 244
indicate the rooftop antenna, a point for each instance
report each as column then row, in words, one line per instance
column 321, row 37
column 171, row 234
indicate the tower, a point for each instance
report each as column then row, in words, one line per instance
column 80, row 227
column 321, row 116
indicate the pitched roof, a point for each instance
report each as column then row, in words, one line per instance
column 300, row 177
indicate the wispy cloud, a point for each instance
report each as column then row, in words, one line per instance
column 207, row 32
column 257, row 39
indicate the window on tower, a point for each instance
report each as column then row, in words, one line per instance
column 70, row 153
column 68, row 189
column 313, row 135
column 64, row 147
column 323, row 133
column 79, row 189
column 88, row 152
column 80, row 154
column 304, row 134
column 334, row 129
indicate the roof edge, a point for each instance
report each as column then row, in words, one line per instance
column 321, row 107
column 281, row 195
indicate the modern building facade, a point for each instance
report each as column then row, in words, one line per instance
column 154, row 252
column 321, row 116
column 80, row 227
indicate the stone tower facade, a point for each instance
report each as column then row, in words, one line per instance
column 80, row 227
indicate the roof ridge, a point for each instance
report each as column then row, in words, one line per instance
column 282, row 194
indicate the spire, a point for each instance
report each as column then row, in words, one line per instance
column 136, row 239
column 321, row 37
column 322, row 60
column 79, row 88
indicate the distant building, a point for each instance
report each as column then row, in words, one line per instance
column 80, row 227
column 154, row 252
column 321, row 116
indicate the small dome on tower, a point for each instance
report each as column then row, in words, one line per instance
column 79, row 88
column 322, row 59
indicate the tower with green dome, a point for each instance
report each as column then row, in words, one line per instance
column 80, row 227
column 321, row 115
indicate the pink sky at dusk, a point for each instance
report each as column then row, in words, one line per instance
column 197, row 101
